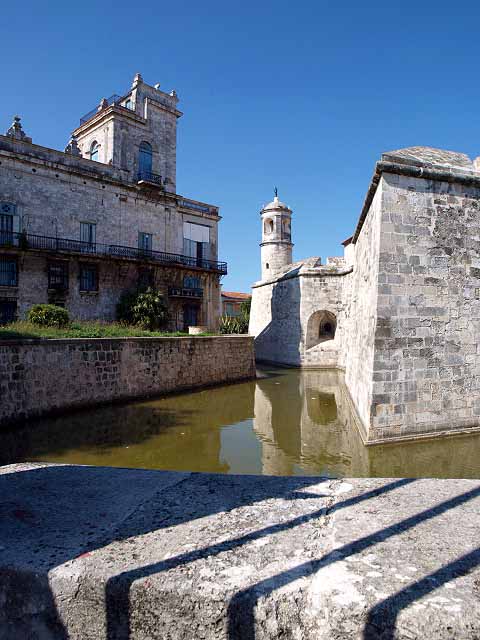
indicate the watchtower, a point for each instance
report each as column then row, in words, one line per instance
column 276, row 245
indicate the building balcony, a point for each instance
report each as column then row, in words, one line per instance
column 185, row 292
column 29, row 242
column 149, row 178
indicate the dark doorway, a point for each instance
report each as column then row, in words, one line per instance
column 199, row 254
column 190, row 316
column 8, row 311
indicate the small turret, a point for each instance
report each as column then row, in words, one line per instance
column 276, row 245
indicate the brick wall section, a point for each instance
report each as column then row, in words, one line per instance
column 38, row 377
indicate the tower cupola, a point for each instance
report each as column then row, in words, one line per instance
column 276, row 245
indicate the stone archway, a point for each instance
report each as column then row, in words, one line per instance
column 321, row 327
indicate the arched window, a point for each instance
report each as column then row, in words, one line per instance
column 94, row 148
column 145, row 160
column 268, row 226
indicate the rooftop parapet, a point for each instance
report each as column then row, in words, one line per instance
column 422, row 162
column 130, row 101
column 428, row 156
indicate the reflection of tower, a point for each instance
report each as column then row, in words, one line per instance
column 330, row 439
column 305, row 423
column 276, row 245
column 275, row 461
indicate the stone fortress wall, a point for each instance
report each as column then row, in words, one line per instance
column 40, row 377
column 404, row 301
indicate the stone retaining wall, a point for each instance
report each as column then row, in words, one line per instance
column 43, row 376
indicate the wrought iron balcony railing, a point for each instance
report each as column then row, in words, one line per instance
column 26, row 241
column 115, row 99
column 148, row 176
column 185, row 292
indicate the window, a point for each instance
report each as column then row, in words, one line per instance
column 58, row 275
column 232, row 309
column 196, row 241
column 88, row 277
column 128, row 104
column 145, row 241
column 6, row 228
column 145, row 160
column 88, row 232
column 94, row 149
column 8, row 311
column 192, row 282
column 146, row 279
column 9, row 223
column 268, row 226
column 8, row 272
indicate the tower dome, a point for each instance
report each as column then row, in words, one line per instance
column 276, row 245
column 276, row 204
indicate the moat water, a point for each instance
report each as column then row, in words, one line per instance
column 287, row 422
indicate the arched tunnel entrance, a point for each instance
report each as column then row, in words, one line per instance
column 321, row 327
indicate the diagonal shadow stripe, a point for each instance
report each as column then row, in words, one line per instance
column 242, row 605
column 382, row 618
column 118, row 588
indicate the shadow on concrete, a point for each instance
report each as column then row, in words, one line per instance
column 382, row 618
column 50, row 515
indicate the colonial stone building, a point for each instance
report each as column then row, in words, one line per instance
column 399, row 313
column 79, row 227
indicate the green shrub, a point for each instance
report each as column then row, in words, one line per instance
column 48, row 315
column 245, row 307
column 145, row 309
column 233, row 325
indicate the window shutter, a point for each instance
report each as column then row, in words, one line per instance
column 16, row 230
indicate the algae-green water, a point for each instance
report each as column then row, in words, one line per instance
column 286, row 422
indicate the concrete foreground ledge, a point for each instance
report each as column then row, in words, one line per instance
column 98, row 553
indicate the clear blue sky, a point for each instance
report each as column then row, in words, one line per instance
column 302, row 95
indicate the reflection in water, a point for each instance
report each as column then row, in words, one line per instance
column 287, row 422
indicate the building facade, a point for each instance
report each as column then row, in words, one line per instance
column 80, row 227
column 399, row 313
column 232, row 303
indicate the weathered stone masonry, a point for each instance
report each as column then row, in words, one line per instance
column 404, row 302
column 104, row 204
column 38, row 377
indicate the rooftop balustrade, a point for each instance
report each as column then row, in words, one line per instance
column 112, row 100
